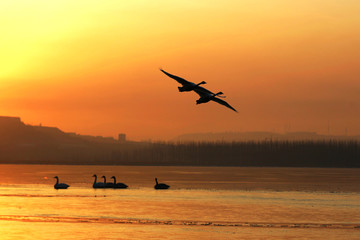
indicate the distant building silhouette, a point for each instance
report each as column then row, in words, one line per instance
column 122, row 137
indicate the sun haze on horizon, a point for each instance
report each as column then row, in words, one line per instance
column 93, row 67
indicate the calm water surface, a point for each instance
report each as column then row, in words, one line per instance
column 202, row 203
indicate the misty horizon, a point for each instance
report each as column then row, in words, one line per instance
column 217, row 136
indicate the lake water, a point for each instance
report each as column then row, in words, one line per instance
column 202, row 203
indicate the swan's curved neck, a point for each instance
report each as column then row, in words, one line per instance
column 95, row 179
column 156, row 181
column 57, row 180
column 104, row 179
column 114, row 180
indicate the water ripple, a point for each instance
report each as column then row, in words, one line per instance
column 176, row 222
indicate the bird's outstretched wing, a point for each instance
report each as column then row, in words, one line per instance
column 178, row 79
column 203, row 91
column 222, row 102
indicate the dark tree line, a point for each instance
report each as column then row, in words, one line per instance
column 264, row 153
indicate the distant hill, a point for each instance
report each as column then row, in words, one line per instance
column 21, row 143
column 258, row 136
column 14, row 131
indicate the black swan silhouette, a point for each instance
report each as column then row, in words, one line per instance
column 118, row 185
column 106, row 184
column 97, row 184
column 160, row 185
column 60, row 185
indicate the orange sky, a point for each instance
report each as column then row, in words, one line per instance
column 92, row 67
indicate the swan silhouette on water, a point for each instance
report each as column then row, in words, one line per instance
column 206, row 96
column 118, row 185
column 106, row 184
column 160, row 185
column 186, row 85
column 97, row 184
column 60, row 185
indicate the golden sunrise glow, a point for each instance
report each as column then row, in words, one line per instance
column 92, row 66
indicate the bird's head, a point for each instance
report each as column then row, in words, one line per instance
column 219, row 93
column 94, row 175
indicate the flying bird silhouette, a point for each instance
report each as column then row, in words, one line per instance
column 186, row 85
column 206, row 96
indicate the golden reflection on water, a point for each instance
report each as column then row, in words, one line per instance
column 212, row 203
